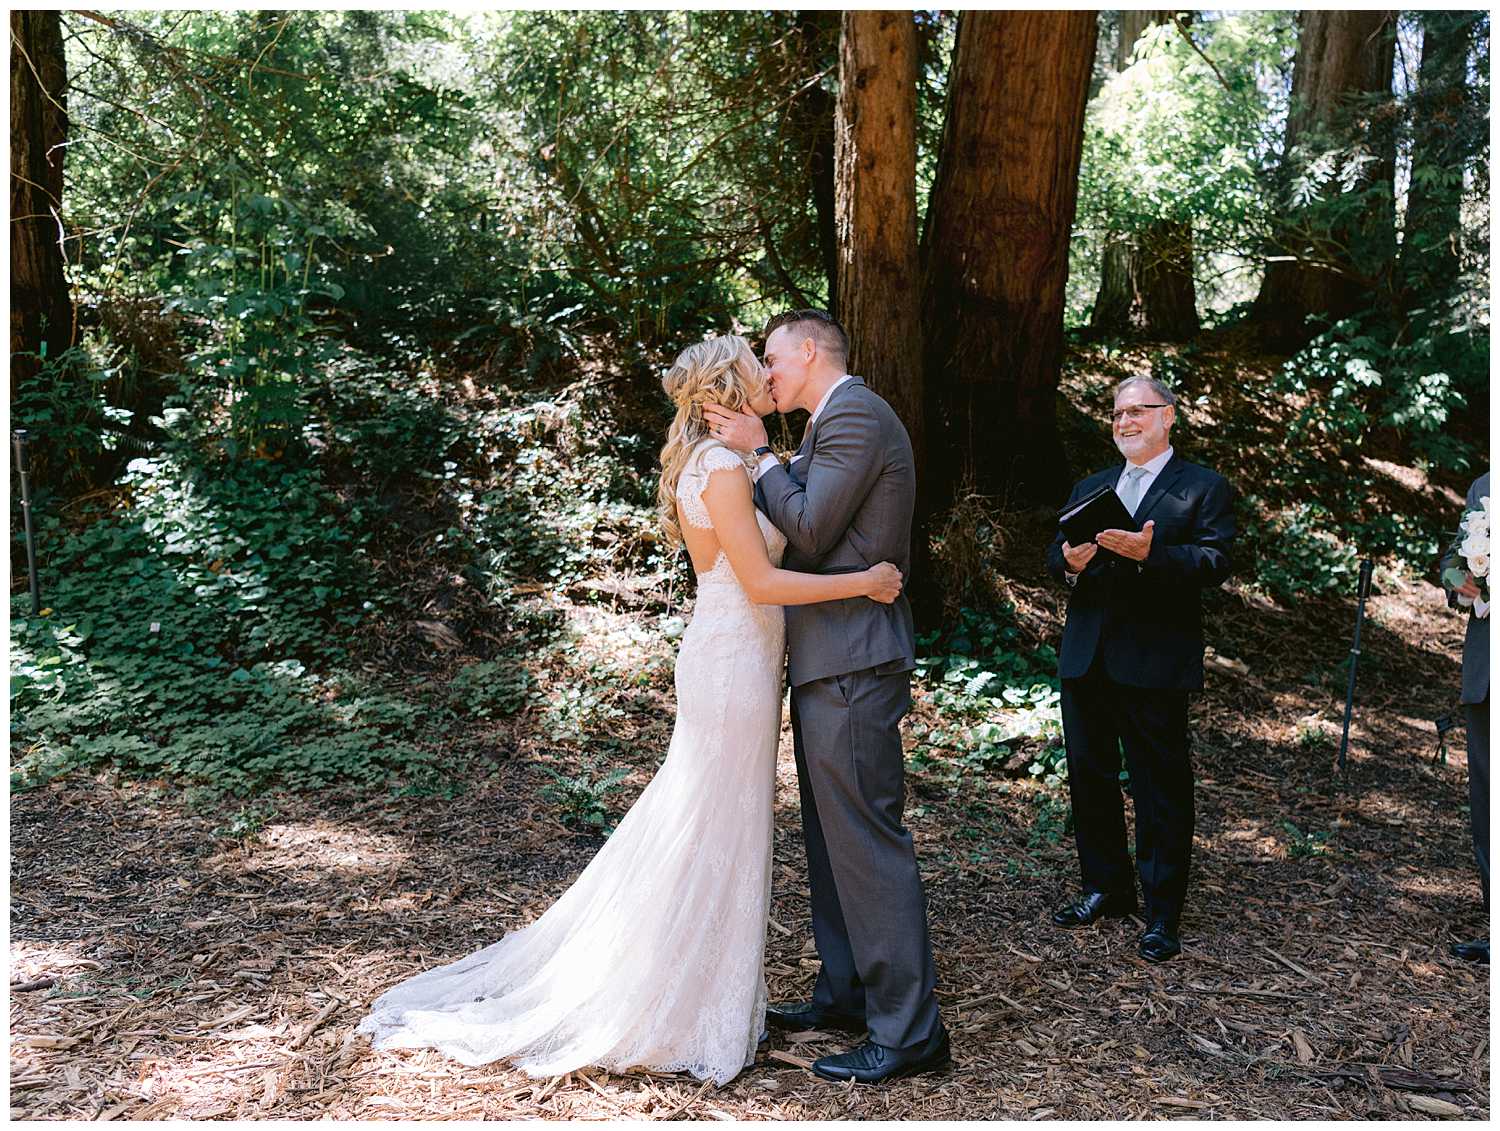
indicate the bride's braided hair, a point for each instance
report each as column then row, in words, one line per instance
column 722, row 370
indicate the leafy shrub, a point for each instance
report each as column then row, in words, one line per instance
column 490, row 687
column 199, row 634
column 997, row 706
column 1353, row 381
column 1303, row 845
column 1295, row 552
column 582, row 798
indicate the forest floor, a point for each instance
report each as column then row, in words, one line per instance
column 165, row 966
column 172, row 962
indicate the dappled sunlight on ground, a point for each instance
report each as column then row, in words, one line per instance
column 217, row 970
column 313, row 852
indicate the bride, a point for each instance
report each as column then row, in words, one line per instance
column 652, row 959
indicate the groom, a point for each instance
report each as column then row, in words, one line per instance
column 844, row 502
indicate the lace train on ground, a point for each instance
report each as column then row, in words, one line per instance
column 653, row 958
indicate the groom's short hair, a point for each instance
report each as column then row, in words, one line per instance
column 818, row 325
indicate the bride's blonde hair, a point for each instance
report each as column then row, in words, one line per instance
column 722, row 371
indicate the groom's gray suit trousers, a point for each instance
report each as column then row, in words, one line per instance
column 877, row 958
column 844, row 505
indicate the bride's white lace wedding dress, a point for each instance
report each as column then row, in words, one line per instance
column 653, row 958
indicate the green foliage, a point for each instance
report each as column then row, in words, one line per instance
column 247, row 820
column 1313, row 736
column 582, row 799
column 1302, row 845
column 199, row 634
column 1054, row 820
column 1175, row 137
column 1295, row 552
column 994, row 701
column 1352, row 382
column 62, row 407
column 573, row 496
column 489, row 688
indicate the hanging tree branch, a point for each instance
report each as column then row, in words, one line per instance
column 1182, row 27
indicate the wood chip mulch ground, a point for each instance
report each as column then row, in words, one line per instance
column 166, row 965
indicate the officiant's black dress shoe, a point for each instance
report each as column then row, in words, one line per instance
column 873, row 1064
column 1476, row 950
column 1160, row 942
column 800, row 1015
column 1092, row 906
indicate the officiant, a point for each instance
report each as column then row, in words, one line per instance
column 1132, row 651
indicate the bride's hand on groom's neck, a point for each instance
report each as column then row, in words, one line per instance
column 742, row 431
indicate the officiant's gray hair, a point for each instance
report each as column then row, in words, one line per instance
column 1164, row 394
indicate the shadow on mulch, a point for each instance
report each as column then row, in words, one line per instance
column 169, row 963
column 166, row 971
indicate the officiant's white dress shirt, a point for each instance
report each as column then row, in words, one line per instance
column 1153, row 468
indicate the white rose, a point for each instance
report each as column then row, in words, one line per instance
column 1479, row 565
column 1472, row 547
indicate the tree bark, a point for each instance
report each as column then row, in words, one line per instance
column 879, row 282
column 41, row 313
column 813, row 117
column 995, row 252
column 1430, row 242
column 1146, row 279
column 879, row 301
column 1341, row 55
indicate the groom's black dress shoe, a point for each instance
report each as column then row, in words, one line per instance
column 797, row 1016
column 872, row 1063
column 1092, row 906
column 1160, row 942
column 1477, row 950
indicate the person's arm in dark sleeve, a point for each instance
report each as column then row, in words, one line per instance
column 1204, row 560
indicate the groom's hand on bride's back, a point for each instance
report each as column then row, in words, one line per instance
column 885, row 583
column 741, row 431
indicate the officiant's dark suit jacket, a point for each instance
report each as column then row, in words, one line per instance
column 1144, row 620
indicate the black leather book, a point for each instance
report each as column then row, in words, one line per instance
column 1101, row 510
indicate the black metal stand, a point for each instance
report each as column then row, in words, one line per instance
column 1366, row 570
column 19, row 437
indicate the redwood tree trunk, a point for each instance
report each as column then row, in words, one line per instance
column 1430, row 243
column 879, row 300
column 41, row 315
column 995, row 252
column 813, row 118
column 1146, row 279
column 1341, row 55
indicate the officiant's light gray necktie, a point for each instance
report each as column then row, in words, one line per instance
column 1130, row 493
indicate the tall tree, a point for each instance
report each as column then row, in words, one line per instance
column 1328, row 261
column 812, row 118
column 1441, row 149
column 1146, row 278
column 995, row 252
column 879, row 295
column 41, row 315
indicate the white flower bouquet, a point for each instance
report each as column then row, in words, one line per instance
column 1472, row 549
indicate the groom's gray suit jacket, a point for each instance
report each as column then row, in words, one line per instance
column 849, row 509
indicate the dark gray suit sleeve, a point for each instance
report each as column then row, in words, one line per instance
column 1204, row 561
column 843, row 466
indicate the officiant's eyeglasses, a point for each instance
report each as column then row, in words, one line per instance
column 1136, row 412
